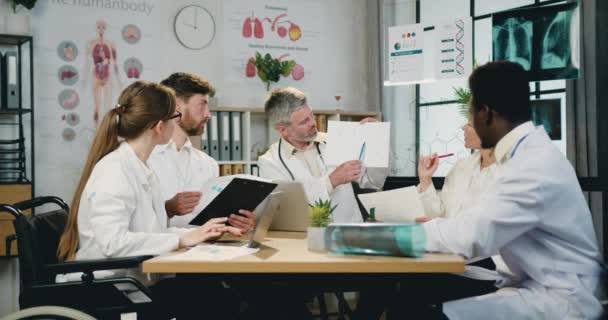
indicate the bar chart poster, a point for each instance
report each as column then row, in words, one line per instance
column 453, row 56
column 406, row 58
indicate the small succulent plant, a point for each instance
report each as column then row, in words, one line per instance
column 320, row 213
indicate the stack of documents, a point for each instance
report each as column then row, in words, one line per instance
column 398, row 205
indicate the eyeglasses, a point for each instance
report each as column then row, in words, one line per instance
column 176, row 115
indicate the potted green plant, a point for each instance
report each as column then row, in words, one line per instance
column 269, row 69
column 18, row 22
column 320, row 217
column 463, row 95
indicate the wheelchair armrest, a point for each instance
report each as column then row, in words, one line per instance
column 96, row 264
column 39, row 201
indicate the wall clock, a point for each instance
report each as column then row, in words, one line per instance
column 194, row 27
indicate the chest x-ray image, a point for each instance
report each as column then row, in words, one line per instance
column 548, row 113
column 544, row 40
column 555, row 44
column 513, row 41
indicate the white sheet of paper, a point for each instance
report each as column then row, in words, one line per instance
column 345, row 141
column 398, row 205
column 212, row 252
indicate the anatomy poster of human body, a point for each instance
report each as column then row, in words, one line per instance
column 272, row 43
column 81, row 66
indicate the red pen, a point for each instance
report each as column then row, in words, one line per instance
column 445, row 155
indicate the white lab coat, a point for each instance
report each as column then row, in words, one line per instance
column 538, row 220
column 463, row 187
column 185, row 170
column 121, row 213
column 315, row 187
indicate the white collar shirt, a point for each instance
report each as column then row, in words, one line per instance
column 180, row 170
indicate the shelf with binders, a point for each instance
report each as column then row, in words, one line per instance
column 233, row 162
column 16, row 114
column 238, row 167
column 17, row 179
column 237, row 136
column 224, row 139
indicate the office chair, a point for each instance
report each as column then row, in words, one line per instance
column 344, row 311
column 38, row 237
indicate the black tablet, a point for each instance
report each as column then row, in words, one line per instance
column 238, row 194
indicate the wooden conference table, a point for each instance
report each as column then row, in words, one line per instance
column 286, row 253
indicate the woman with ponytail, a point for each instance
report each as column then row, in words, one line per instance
column 117, row 210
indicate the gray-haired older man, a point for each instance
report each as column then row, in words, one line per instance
column 298, row 156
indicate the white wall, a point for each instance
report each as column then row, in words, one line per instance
column 349, row 65
column 345, row 51
column 345, row 67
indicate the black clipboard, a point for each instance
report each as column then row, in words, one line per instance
column 239, row 194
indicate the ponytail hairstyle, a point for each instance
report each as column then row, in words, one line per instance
column 140, row 107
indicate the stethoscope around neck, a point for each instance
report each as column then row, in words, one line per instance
column 285, row 165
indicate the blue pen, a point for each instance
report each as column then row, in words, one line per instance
column 362, row 152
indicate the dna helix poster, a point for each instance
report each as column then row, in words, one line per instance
column 453, row 55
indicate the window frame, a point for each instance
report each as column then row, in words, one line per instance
column 537, row 93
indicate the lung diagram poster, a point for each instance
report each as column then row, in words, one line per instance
column 268, row 43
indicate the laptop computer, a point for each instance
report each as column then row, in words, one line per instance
column 265, row 213
column 293, row 209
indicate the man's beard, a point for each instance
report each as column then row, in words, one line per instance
column 192, row 130
column 311, row 137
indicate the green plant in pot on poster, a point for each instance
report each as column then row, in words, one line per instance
column 320, row 217
column 463, row 95
column 269, row 69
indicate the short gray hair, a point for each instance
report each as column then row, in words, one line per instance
column 281, row 103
